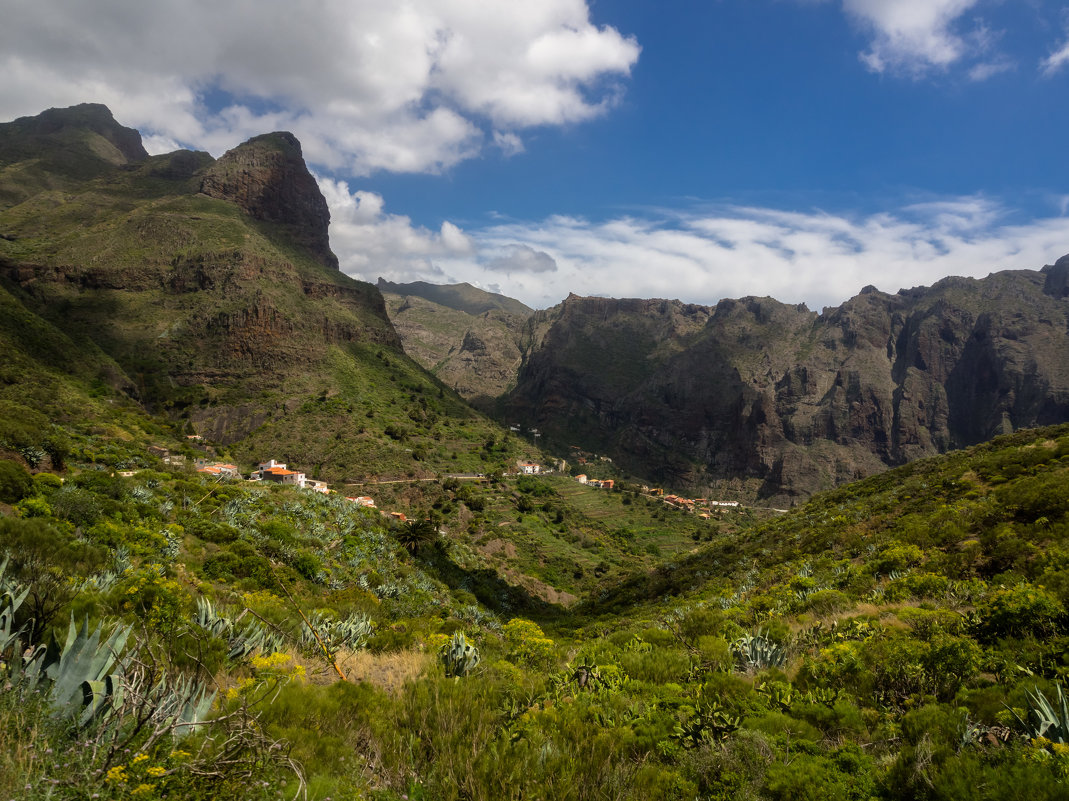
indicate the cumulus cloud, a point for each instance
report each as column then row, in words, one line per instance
column 371, row 243
column 365, row 85
column 702, row 254
column 916, row 36
column 522, row 259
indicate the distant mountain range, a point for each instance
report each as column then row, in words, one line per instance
column 761, row 399
column 205, row 290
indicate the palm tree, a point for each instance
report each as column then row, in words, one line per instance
column 417, row 534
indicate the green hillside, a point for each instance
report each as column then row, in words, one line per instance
column 902, row 637
column 200, row 290
column 476, row 634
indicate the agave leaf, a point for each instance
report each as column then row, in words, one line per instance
column 84, row 658
column 98, row 696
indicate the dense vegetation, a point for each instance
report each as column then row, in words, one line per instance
column 164, row 636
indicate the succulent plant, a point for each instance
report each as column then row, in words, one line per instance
column 755, row 652
column 352, row 633
column 458, row 656
column 1046, row 718
column 85, row 658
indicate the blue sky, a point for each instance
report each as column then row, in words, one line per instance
column 794, row 148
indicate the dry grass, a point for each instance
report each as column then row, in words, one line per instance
column 389, row 671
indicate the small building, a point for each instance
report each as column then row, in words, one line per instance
column 280, row 475
column 363, row 500
column 529, row 468
column 316, row 486
column 581, row 478
column 218, row 469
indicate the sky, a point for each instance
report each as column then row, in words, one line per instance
column 690, row 149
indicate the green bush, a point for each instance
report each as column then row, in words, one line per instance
column 659, row 666
column 528, row 644
column 15, row 482
column 1024, row 610
column 848, row 775
column 827, row 602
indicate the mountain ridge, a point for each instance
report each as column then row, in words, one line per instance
column 803, row 401
column 208, row 288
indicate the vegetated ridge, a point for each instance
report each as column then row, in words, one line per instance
column 901, row 637
column 205, row 290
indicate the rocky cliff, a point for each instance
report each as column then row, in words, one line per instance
column 766, row 400
column 210, row 283
column 267, row 177
column 467, row 337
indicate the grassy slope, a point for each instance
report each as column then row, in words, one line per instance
column 219, row 321
column 909, row 608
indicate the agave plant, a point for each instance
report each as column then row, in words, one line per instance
column 458, row 656
column 755, row 652
column 85, row 659
column 1046, row 718
column 241, row 643
column 352, row 633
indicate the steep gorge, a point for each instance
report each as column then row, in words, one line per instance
column 766, row 400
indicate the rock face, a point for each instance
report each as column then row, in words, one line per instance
column 210, row 283
column 467, row 337
column 267, row 177
column 772, row 401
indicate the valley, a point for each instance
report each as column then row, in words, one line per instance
column 615, row 549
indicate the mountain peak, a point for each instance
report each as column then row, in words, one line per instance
column 268, row 178
column 79, row 140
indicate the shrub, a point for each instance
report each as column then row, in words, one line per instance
column 15, row 482
column 527, row 643
column 845, row 776
column 898, row 557
column 827, row 602
column 1025, row 610
column 658, row 666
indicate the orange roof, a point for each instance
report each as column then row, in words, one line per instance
column 278, row 471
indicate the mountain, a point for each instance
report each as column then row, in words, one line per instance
column 774, row 401
column 465, row 336
column 207, row 292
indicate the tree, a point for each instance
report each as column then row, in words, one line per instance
column 417, row 535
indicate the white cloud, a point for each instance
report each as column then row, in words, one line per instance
column 371, row 243
column 916, row 36
column 699, row 255
column 1056, row 60
column 522, row 259
column 409, row 87
column 988, row 69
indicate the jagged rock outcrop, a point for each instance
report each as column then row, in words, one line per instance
column 467, row 337
column 267, row 177
column 213, row 313
column 778, row 402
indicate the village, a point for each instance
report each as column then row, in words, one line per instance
column 276, row 472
